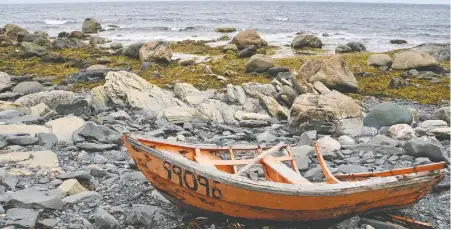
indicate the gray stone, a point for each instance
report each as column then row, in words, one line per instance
column 356, row 46
column 426, row 147
column 133, row 50
column 442, row 114
column 259, row 63
column 5, row 81
column 8, row 114
column 95, row 147
column 266, row 137
column 253, row 123
column 346, row 140
column 102, row 219
column 67, row 43
column 301, row 154
column 315, row 174
column 32, row 198
column 274, row 71
column 99, row 159
column 47, row 140
column 422, row 161
column 383, row 140
column 78, row 108
column 306, row 41
column 343, row 49
column 146, row 215
column 307, row 138
column 50, row 98
column 33, row 50
column 21, row 217
column 28, row 87
column 98, row 133
column 352, row 169
column 21, row 140
column 87, row 197
column 47, row 223
column 350, row 223
column 388, row 114
column 90, row 26
column 26, row 119
column 79, row 175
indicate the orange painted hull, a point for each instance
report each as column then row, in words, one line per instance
column 189, row 183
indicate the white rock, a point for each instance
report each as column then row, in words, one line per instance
column 189, row 94
column 40, row 110
column 346, row 140
column 45, row 160
column 241, row 115
column 328, row 145
column 50, row 98
column 71, row 187
column 218, row 112
column 432, row 124
column 179, row 115
column 401, row 132
column 235, row 94
column 64, row 127
column 28, row 129
column 320, row 87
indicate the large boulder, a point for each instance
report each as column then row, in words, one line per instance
column 440, row 51
column 33, row 50
column 329, row 113
column 378, row 60
column 259, row 63
column 50, row 98
column 128, row 90
column 247, row 38
column 333, row 73
column 12, row 30
column 67, row 43
column 5, row 81
column 306, row 41
column 158, row 51
column 388, row 114
column 414, row 60
column 91, row 26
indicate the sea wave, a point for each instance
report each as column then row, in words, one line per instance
column 175, row 28
column 281, row 19
column 55, row 22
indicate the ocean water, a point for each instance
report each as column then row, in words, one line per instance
column 277, row 22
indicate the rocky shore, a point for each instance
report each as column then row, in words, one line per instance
column 66, row 101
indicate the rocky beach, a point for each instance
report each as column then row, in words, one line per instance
column 66, row 100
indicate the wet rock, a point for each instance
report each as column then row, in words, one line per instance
column 102, row 219
column 50, row 98
column 328, row 113
column 21, row 217
column 414, row 60
column 77, row 108
column 157, row 51
column 91, row 26
column 401, row 132
column 388, row 114
column 33, row 198
column 333, row 73
column 247, row 52
column 86, row 197
column 398, row 41
column 72, row 187
column 306, row 41
column 343, row 49
column 356, row 46
column 64, row 127
column 28, row 87
column 425, row 147
column 247, row 38
column 259, row 63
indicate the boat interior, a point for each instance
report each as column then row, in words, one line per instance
column 277, row 162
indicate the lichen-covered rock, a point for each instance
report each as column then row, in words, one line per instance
column 247, row 38
column 50, row 98
column 91, row 26
column 259, row 63
column 100, row 100
column 306, row 41
column 414, row 60
column 128, row 90
column 401, row 132
column 28, row 87
column 333, row 73
column 157, row 51
column 235, row 94
column 218, row 112
column 440, row 51
column 33, row 50
column 329, row 113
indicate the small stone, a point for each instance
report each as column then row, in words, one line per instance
column 401, row 132
column 352, row 169
column 102, row 219
column 48, row 223
column 328, row 145
column 266, row 137
column 71, row 187
column 47, row 140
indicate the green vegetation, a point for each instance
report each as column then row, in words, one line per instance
column 203, row 75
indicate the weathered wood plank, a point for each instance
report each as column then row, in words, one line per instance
column 288, row 174
column 261, row 156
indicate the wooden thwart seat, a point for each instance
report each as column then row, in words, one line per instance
column 278, row 172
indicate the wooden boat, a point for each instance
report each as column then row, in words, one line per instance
column 195, row 176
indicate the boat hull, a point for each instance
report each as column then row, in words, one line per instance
column 191, row 186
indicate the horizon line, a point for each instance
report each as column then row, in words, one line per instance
column 310, row 1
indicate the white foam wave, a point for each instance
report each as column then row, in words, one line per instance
column 55, row 22
column 281, row 19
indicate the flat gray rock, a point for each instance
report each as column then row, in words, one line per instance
column 33, row 198
column 21, row 217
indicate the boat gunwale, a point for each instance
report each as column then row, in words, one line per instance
column 314, row 189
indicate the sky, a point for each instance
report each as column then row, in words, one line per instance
column 371, row 1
